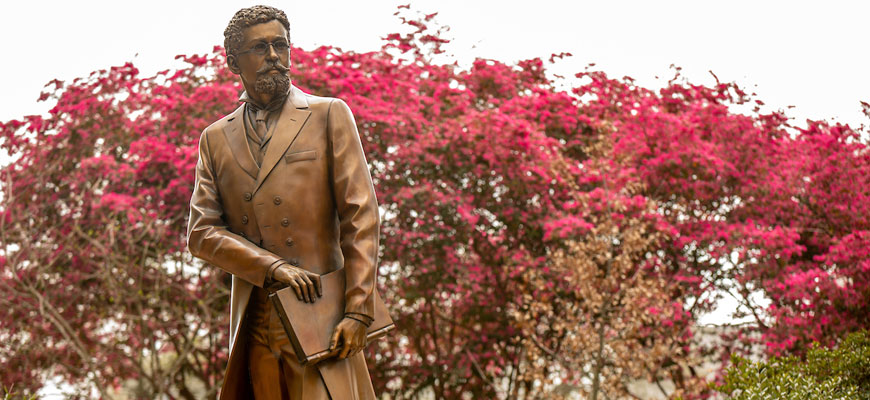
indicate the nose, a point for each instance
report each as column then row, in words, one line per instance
column 272, row 54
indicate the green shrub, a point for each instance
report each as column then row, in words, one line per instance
column 825, row 374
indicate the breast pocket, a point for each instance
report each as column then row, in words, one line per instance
column 300, row 156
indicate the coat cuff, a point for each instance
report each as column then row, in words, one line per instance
column 271, row 271
column 358, row 305
column 363, row 319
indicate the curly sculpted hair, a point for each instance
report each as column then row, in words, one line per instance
column 234, row 34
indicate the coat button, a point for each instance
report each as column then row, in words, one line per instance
column 285, row 222
column 289, row 242
column 277, row 200
column 244, row 219
column 248, row 196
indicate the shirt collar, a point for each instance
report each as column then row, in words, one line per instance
column 273, row 105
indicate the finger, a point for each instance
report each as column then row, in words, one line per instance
column 360, row 345
column 333, row 342
column 309, row 287
column 306, row 288
column 296, row 289
column 354, row 349
column 317, row 285
column 345, row 350
column 301, row 284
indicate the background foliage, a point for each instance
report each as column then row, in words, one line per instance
column 841, row 373
column 541, row 236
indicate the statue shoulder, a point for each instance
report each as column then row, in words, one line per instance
column 317, row 104
column 220, row 124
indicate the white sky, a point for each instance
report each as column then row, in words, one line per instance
column 812, row 55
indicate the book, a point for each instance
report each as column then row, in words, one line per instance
column 310, row 325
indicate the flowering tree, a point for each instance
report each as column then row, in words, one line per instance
column 531, row 235
column 760, row 205
column 98, row 287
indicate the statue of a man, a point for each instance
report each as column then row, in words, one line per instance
column 282, row 195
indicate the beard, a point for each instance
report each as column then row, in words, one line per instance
column 275, row 85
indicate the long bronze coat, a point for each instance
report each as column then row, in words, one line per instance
column 311, row 202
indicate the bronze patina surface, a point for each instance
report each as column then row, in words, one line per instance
column 283, row 195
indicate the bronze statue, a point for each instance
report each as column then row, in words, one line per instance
column 283, row 195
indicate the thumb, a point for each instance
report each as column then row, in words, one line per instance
column 333, row 343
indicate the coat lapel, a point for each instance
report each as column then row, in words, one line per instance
column 293, row 117
column 235, row 134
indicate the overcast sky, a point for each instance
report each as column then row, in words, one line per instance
column 812, row 55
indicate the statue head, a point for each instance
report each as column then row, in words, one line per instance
column 257, row 43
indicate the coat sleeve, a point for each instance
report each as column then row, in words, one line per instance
column 207, row 235
column 357, row 207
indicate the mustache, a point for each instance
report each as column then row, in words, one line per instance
column 272, row 65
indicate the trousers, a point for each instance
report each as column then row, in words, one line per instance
column 276, row 373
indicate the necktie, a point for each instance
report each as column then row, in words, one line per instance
column 260, row 130
column 260, row 124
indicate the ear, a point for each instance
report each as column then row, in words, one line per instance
column 233, row 64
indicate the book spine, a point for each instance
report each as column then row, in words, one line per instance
column 379, row 333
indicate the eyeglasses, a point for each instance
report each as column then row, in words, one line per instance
column 262, row 48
